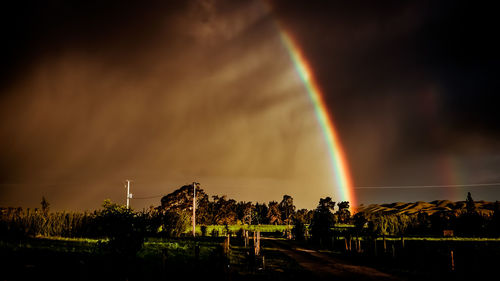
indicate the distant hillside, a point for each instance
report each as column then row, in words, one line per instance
column 485, row 208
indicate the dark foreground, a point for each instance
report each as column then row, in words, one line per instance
column 53, row 259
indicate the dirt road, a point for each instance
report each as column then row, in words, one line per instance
column 326, row 267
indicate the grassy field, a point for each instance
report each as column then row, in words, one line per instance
column 58, row 258
column 221, row 229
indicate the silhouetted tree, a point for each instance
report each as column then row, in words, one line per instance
column 176, row 223
column 223, row 210
column 260, row 214
column 244, row 212
column 299, row 230
column 469, row 204
column 273, row 213
column 471, row 222
column 304, row 216
column 121, row 226
column 323, row 221
column 287, row 209
column 182, row 199
column 360, row 221
column 343, row 212
column 45, row 206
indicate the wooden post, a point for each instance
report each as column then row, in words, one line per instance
column 226, row 245
column 393, row 251
column 258, row 238
column 385, row 245
column 452, row 261
column 257, row 244
column 263, row 263
column 350, row 240
column 402, row 241
column 346, row 247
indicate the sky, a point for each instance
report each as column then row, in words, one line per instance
column 166, row 93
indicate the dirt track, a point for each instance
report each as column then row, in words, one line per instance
column 326, row 267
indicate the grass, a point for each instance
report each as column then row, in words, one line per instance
column 56, row 257
column 269, row 228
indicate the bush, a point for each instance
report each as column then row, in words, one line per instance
column 124, row 229
column 176, row 223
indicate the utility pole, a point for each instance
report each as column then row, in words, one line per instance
column 129, row 195
column 194, row 209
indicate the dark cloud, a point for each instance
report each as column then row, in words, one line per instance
column 406, row 81
column 95, row 92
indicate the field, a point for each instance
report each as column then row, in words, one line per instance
column 221, row 229
column 85, row 259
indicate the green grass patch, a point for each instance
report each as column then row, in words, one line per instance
column 235, row 228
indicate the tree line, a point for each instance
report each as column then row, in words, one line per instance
column 173, row 218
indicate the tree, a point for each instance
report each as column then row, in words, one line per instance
column 176, row 223
column 471, row 222
column 343, row 212
column 299, row 230
column 273, row 213
column 287, row 209
column 360, row 221
column 223, row 210
column 469, row 204
column 125, row 232
column 182, row 199
column 260, row 214
column 323, row 221
column 244, row 212
column 45, row 206
column 304, row 216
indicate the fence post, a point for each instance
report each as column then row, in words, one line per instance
column 385, row 245
column 257, row 244
column 226, row 245
column 452, row 261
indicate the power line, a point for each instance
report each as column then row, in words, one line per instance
column 147, row 197
column 428, row 186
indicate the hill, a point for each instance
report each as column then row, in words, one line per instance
column 483, row 207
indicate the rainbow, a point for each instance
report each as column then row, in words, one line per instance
column 337, row 155
column 451, row 178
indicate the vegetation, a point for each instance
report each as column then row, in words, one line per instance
column 161, row 235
